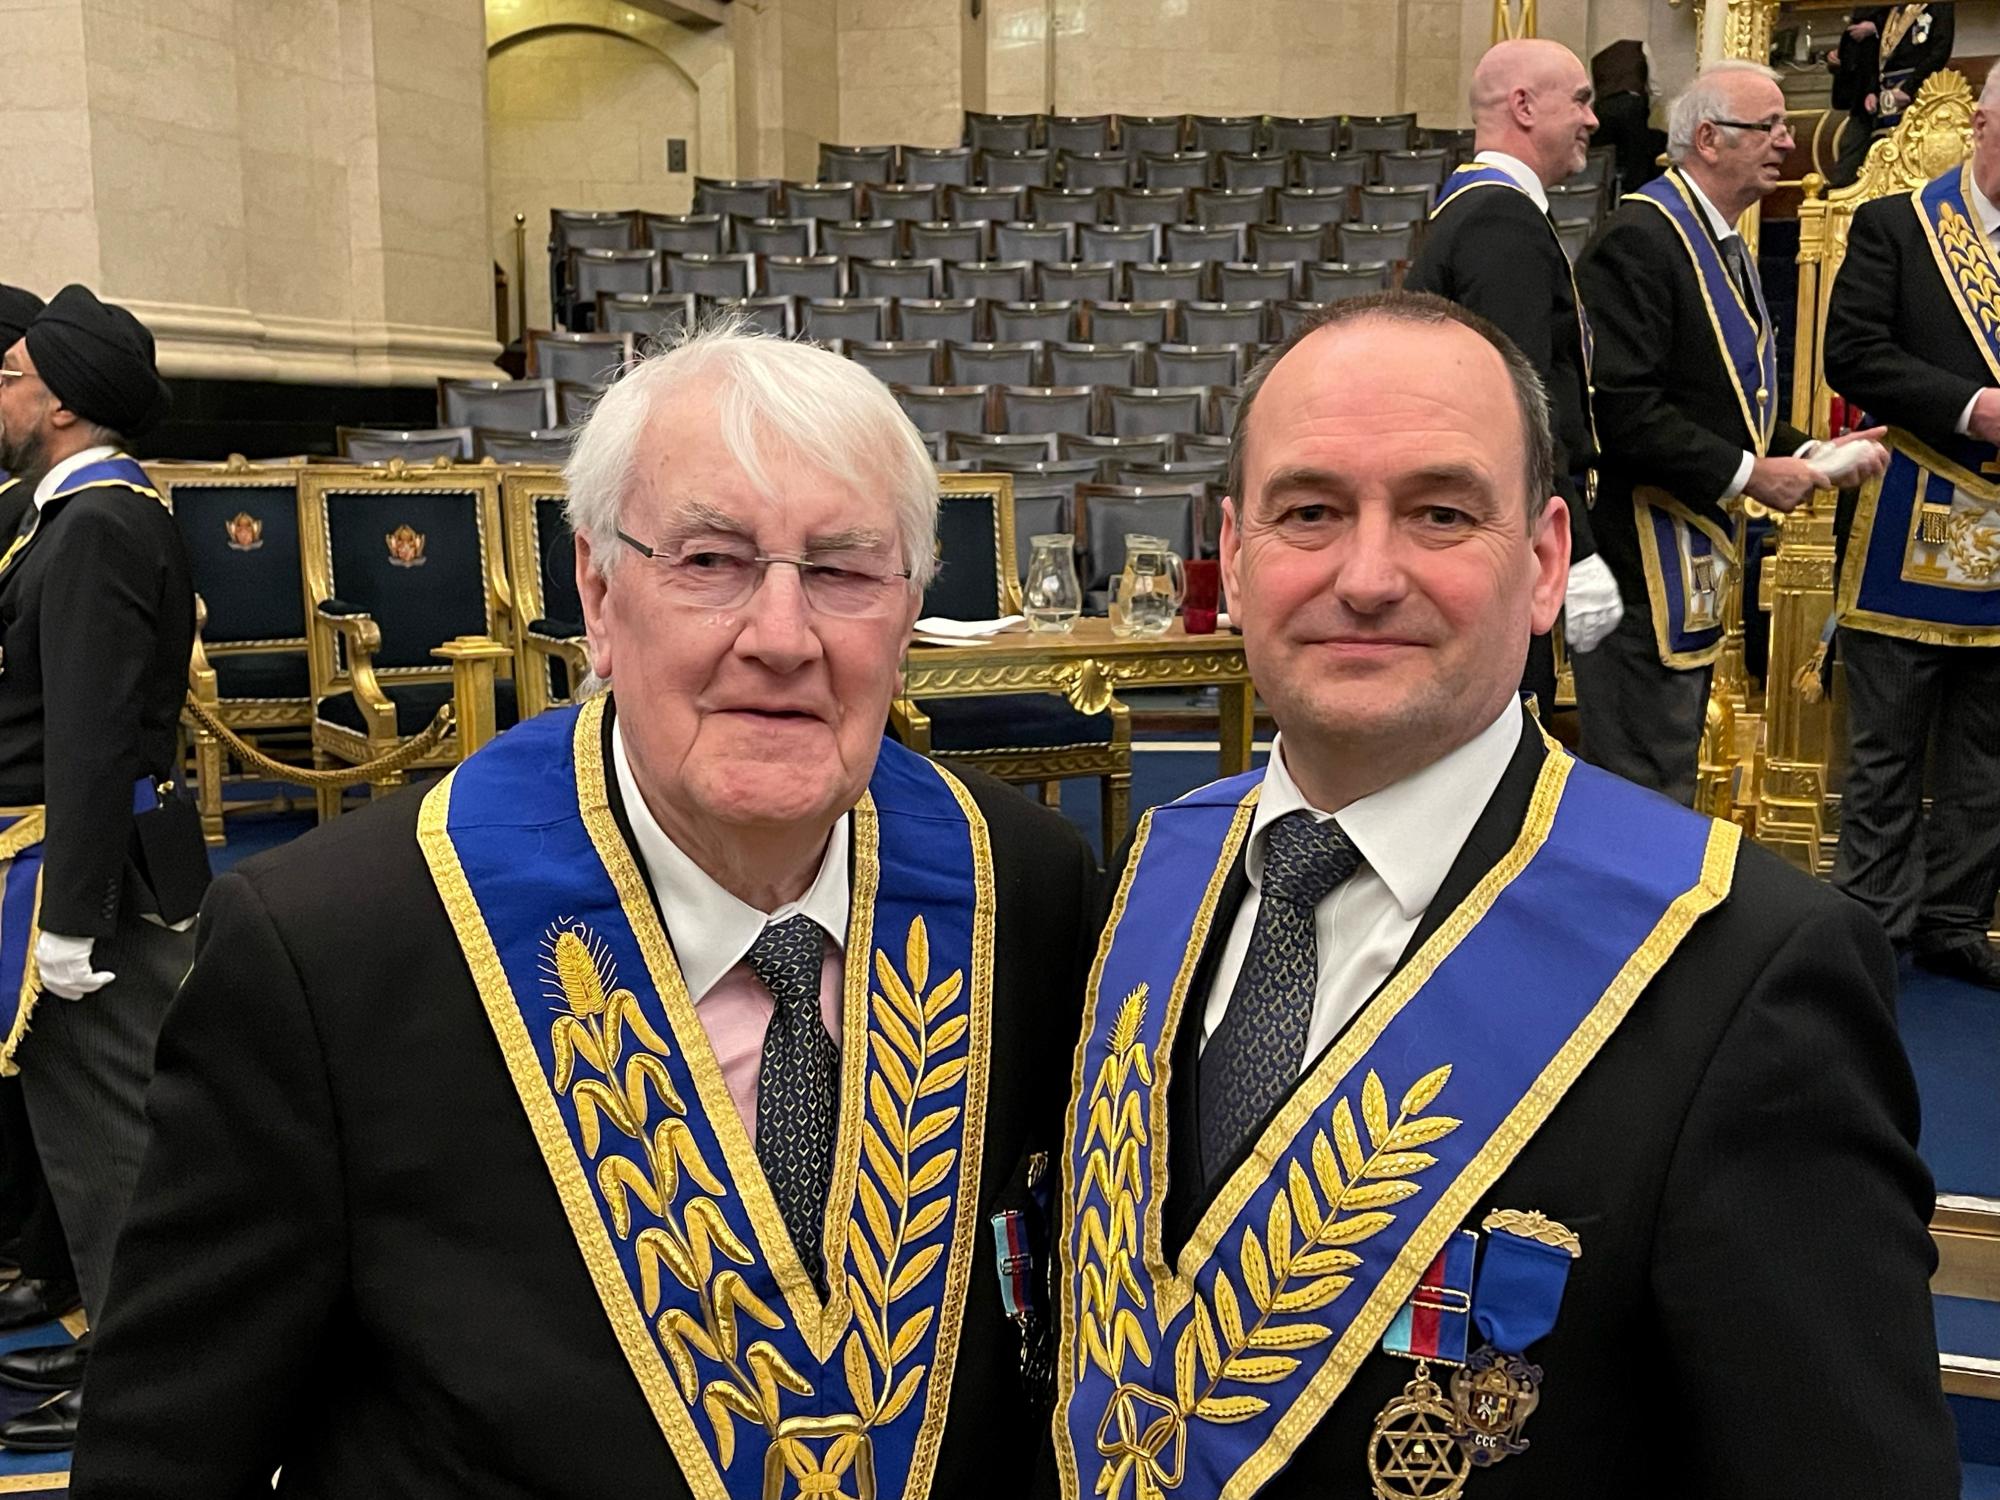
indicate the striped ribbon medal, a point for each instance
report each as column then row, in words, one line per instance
column 1412, row 1453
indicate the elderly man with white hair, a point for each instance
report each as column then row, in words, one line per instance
column 637, row 1111
column 1688, row 417
column 1908, row 340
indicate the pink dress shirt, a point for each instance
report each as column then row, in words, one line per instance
column 711, row 933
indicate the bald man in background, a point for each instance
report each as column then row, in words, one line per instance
column 1492, row 248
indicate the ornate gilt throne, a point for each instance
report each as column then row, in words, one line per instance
column 1804, row 745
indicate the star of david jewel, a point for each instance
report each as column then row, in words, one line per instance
column 1411, row 1453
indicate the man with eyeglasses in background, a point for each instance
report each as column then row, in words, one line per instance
column 637, row 1111
column 1688, row 420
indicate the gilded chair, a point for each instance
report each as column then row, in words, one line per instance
column 548, row 610
column 1022, row 738
column 240, row 525
column 407, row 609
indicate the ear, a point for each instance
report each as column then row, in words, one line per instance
column 595, row 591
column 1521, row 105
column 1229, row 547
column 1551, row 546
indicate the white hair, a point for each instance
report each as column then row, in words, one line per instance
column 1704, row 101
column 780, row 405
column 1989, row 92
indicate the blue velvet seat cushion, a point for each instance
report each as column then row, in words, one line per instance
column 1012, row 721
column 262, row 674
column 416, row 704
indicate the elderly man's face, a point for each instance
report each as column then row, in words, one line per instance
column 1380, row 561
column 1748, row 164
column 24, row 407
column 1986, row 152
column 770, row 712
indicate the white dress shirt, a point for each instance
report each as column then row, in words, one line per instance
column 1523, row 175
column 712, row 930
column 1407, row 834
column 58, row 476
column 1989, row 225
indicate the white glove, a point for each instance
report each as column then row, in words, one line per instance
column 65, row 966
column 1838, row 462
column 1592, row 608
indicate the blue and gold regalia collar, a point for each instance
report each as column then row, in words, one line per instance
column 1964, row 256
column 1743, row 338
column 763, row 1389
column 1197, row 1380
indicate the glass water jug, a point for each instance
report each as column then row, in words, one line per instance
column 1147, row 595
column 1051, row 596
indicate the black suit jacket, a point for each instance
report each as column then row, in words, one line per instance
column 1895, row 344
column 1493, row 252
column 1751, row 1315
column 346, row 1256
column 1667, row 413
column 96, row 626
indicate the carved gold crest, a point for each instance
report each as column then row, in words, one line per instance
column 406, row 547
column 246, row 532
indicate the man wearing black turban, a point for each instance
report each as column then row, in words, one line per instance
column 96, row 626
column 18, row 307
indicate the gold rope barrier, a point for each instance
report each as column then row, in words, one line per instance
column 406, row 754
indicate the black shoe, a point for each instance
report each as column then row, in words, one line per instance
column 1971, row 959
column 50, row 1368
column 31, row 1300
column 46, row 1429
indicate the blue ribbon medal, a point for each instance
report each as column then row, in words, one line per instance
column 1515, row 1302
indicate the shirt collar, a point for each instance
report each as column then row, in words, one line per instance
column 1409, row 832
column 1983, row 209
column 711, row 930
column 1523, row 175
column 1724, row 230
column 59, row 475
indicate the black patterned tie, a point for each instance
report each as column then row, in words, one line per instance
column 798, row 1086
column 1253, row 1059
column 1738, row 257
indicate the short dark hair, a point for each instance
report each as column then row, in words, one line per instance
column 1423, row 310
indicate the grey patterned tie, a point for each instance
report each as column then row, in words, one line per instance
column 798, row 1085
column 1737, row 256
column 1253, row 1059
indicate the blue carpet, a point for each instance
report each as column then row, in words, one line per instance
column 1978, row 1434
column 1982, row 1482
column 1952, row 1032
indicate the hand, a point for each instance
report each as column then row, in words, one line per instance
column 1849, row 460
column 1591, row 606
column 1985, row 424
column 1833, row 58
column 1861, row 30
column 1869, row 104
column 1781, row 483
column 1895, row 102
column 65, row 966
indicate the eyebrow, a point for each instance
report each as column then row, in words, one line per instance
column 1304, row 478
column 1584, row 95
column 698, row 516
column 1450, row 478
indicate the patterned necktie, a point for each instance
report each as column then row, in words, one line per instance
column 798, row 1086
column 1253, row 1059
column 1738, row 259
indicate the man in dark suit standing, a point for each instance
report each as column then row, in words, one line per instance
column 96, row 627
column 18, row 307
column 1919, row 599
column 629, row 1113
column 1882, row 60
column 1491, row 247
column 1687, row 410
column 1385, row 1164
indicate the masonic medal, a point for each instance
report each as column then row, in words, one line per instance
column 1520, row 1291
column 1412, row 1452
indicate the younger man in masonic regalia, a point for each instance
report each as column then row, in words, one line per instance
column 1909, row 340
column 1453, row 1117
column 627, row 1114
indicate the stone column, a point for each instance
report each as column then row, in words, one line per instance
column 287, row 190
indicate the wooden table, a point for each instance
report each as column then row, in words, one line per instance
column 1088, row 665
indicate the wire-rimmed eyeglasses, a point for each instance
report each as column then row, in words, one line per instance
column 723, row 575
